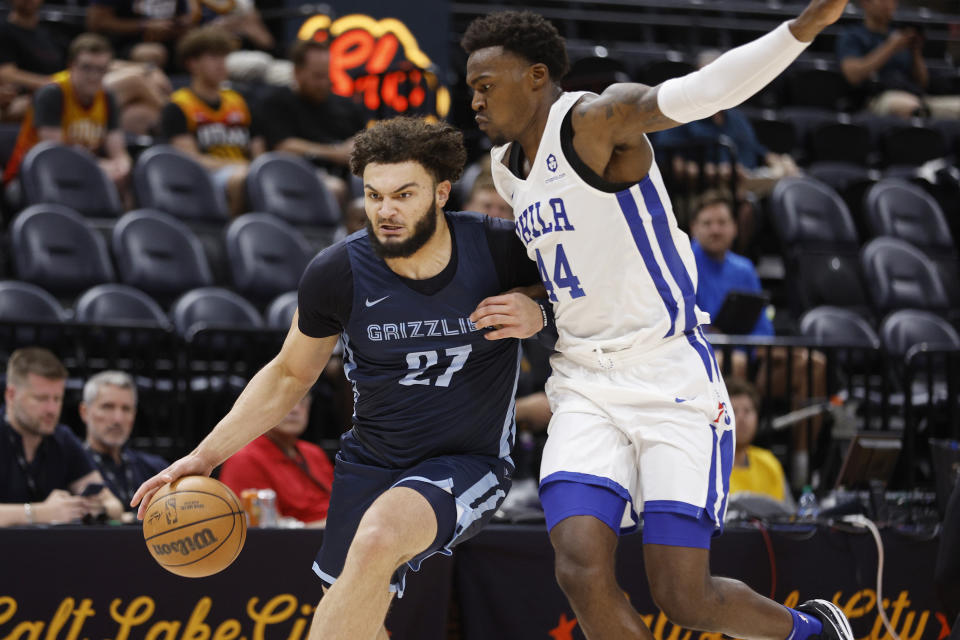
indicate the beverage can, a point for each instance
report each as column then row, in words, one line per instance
column 267, row 499
column 251, row 506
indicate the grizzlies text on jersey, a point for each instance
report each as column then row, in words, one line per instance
column 426, row 382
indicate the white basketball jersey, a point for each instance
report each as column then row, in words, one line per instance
column 619, row 271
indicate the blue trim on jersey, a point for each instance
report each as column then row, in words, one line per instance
column 701, row 351
column 713, row 355
column 712, row 478
column 628, row 206
column 672, row 506
column 508, row 435
column 661, row 230
column 676, row 530
column 726, row 466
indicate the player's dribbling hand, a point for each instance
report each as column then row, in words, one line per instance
column 189, row 465
column 511, row 315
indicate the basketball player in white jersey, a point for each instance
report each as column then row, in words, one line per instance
column 642, row 422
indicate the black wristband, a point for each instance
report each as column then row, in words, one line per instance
column 543, row 311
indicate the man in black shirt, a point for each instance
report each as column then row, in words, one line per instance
column 42, row 462
column 141, row 31
column 109, row 409
column 29, row 55
column 310, row 120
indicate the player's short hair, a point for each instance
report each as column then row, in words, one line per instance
column 119, row 379
column 438, row 147
column 204, row 41
column 35, row 360
column 741, row 387
column 300, row 48
column 88, row 43
column 709, row 198
column 523, row 33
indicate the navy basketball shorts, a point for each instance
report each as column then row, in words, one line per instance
column 464, row 491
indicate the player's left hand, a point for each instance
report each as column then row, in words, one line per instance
column 512, row 315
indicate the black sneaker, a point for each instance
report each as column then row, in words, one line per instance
column 835, row 624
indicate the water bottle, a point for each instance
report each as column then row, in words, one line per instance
column 808, row 508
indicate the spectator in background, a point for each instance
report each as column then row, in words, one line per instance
column 310, row 121
column 75, row 109
column 297, row 470
column 208, row 122
column 757, row 168
column 720, row 271
column 889, row 63
column 108, row 410
column 140, row 30
column 29, row 55
column 239, row 17
column 485, row 199
column 42, row 462
column 755, row 470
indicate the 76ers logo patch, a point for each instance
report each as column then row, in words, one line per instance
column 722, row 414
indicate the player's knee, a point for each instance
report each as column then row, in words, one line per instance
column 578, row 564
column 681, row 602
column 375, row 542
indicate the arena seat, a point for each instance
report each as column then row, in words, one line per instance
column 898, row 209
column 158, row 254
column 58, row 174
column 55, row 248
column 213, row 306
column 267, row 256
column 899, row 276
column 167, row 179
column 22, row 301
column 109, row 303
column 280, row 311
column 288, row 187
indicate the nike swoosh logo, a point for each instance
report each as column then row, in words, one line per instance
column 679, row 400
column 370, row 304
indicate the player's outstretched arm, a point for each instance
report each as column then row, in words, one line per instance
column 267, row 398
column 625, row 111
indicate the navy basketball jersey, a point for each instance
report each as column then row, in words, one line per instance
column 426, row 382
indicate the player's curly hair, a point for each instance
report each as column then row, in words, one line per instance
column 438, row 147
column 524, row 33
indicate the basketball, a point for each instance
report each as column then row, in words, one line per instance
column 194, row 526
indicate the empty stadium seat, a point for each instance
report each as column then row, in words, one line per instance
column 58, row 174
column 281, row 310
column 158, row 254
column 169, row 180
column 288, row 187
column 899, row 276
column 55, row 248
column 902, row 210
column 213, row 307
column 112, row 303
column 906, row 328
column 839, row 326
column 821, row 246
column 267, row 255
column 22, row 301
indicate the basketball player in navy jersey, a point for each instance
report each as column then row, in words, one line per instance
column 641, row 419
column 427, row 461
